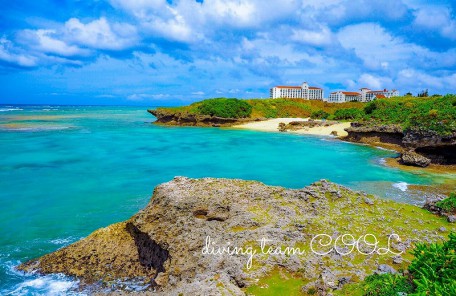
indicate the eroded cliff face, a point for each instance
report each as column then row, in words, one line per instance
column 166, row 117
column 418, row 147
column 162, row 246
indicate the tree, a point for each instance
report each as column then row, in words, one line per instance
column 423, row 94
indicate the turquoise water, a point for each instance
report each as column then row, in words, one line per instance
column 66, row 171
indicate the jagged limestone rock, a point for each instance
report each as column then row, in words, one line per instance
column 162, row 245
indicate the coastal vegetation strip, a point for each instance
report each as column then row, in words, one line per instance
column 433, row 113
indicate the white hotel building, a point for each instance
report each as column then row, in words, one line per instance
column 297, row 92
column 366, row 95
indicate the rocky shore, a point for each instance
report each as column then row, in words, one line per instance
column 417, row 147
column 170, row 117
column 162, row 247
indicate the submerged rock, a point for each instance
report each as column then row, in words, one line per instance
column 169, row 245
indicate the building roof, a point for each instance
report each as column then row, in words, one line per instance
column 314, row 87
column 282, row 86
column 351, row 93
column 380, row 96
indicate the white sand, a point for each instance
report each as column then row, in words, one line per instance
column 272, row 125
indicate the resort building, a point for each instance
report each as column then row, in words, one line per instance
column 368, row 95
column 297, row 92
column 344, row 96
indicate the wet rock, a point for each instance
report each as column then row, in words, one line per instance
column 414, row 159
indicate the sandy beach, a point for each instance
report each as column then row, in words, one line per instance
column 271, row 125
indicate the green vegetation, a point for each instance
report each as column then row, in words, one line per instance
column 278, row 282
column 431, row 272
column 320, row 114
column 226, row 108
column 434, row 113
column 386, row 284
column 349, row 114
column 448, row 204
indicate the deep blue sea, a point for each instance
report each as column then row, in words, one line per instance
column 68, row 170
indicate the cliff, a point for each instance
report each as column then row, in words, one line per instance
column 172, row 117
column 418, row 147
column 162, row 246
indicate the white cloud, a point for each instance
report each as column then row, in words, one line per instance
column 374, row 82
column 142, row 97
column 438, row 19
column 8, row 53
column 318, row 38
column 100, row 34
column 48, row 41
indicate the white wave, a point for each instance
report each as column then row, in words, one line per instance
column 62, row 241
column 382, row 161
column 51, row 285
column 10, row 109
column 402, row 186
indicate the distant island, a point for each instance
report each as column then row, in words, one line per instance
column 423, row 130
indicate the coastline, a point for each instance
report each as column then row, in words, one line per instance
column 272, row 125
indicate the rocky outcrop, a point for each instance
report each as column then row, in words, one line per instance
column 372, row 134
column 418, row 147
column 171, row 117
column 301, row 124
column 431, row 206
column 169, row 246
column 415, row 159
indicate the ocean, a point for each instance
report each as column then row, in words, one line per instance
column 67, row 170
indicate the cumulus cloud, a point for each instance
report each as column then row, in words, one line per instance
column 374, row 82
column 438, row 19
column 100, row 34
column 13, row 56
column 217, row 46
column 47, row 41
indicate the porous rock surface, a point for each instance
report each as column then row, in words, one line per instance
column 161, row 246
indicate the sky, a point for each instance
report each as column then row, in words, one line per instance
column 165, row 52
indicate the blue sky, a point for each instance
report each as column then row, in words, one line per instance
column 158, row 52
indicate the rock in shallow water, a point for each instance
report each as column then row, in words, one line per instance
column 414, row 159
column 163, row 245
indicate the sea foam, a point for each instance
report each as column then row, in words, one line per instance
column 402, row 186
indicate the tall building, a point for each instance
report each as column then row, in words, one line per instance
column 297, row 92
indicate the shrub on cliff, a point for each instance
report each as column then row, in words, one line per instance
column 320, row 114
column 435, row 113
column 349, row 114
column 387, row 284
column 226, row 108
column 431, row 272
column 448, row 204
